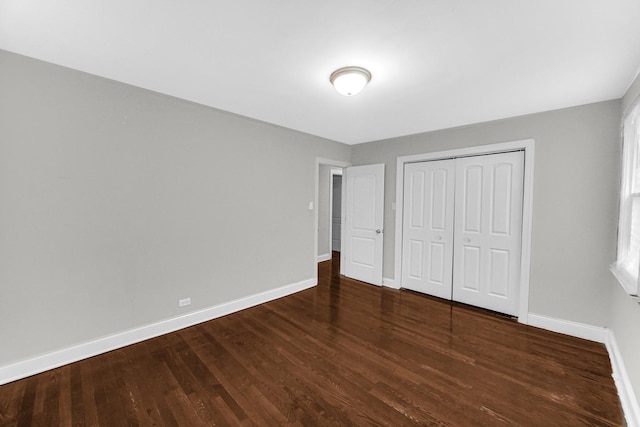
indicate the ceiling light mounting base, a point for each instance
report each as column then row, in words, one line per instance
column 350, row 81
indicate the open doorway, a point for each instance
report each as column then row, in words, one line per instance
column 324, row 243
column 360, row 216
column 329, row 210
column 335, row 197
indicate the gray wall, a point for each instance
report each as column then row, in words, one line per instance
column 115, row 202
column 575, row 200
column 624, row 318
column 324, row 181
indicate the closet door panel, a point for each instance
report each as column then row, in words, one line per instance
column 472, row 198
column 427, row 251
column 488, row 231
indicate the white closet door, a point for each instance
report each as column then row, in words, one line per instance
column 427, row 239
column 488, row 231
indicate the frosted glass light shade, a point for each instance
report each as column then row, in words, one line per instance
column 350, row 81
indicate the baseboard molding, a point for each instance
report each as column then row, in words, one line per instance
column 628, row 398
column 605, row 336
column 324, row 257
column 55, row 359
column 568, row 327
column 390, row 283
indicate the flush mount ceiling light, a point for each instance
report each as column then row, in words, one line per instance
column 350, row 81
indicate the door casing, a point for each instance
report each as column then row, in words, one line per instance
column 320, row 161
column 527, row 146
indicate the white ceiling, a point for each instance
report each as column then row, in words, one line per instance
column 435, row 63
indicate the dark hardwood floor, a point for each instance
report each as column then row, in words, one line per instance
column 343, row 353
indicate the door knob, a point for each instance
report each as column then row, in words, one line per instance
column 467, row 239
column 378, row 231
column 438, row 237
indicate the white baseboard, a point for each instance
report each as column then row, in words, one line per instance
column 390, row 283
column 602, row 335
column 85, row 350
column 568, row 327
column 324, row 257
column 628, row 398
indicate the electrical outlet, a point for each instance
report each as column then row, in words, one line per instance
column 184, row 302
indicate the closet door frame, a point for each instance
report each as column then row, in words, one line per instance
column 527, row 146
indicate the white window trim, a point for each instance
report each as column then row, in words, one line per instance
column 627, row 282
column 630, row 147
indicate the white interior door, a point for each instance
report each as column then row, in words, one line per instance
column 427, row 238
column 363, row 214
column 488, row 231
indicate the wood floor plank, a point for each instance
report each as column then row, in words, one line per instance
column 238, row 383
column 342, row 353
column 27, row 402
column 271, row 375
column 85, row 411
column 10, row 403
column 328, row 388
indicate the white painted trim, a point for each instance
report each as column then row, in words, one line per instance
column 606, row 336
column 92, row 348
column 627, row 396
column 389, row 283
column 628, row 283
column 527, row 209
column 568, row 327
column 324, row 257
column 343, row 223
column 320, row 161
column 330, row 228
column 397, row 271
column 527, row 227
column 633, row 80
